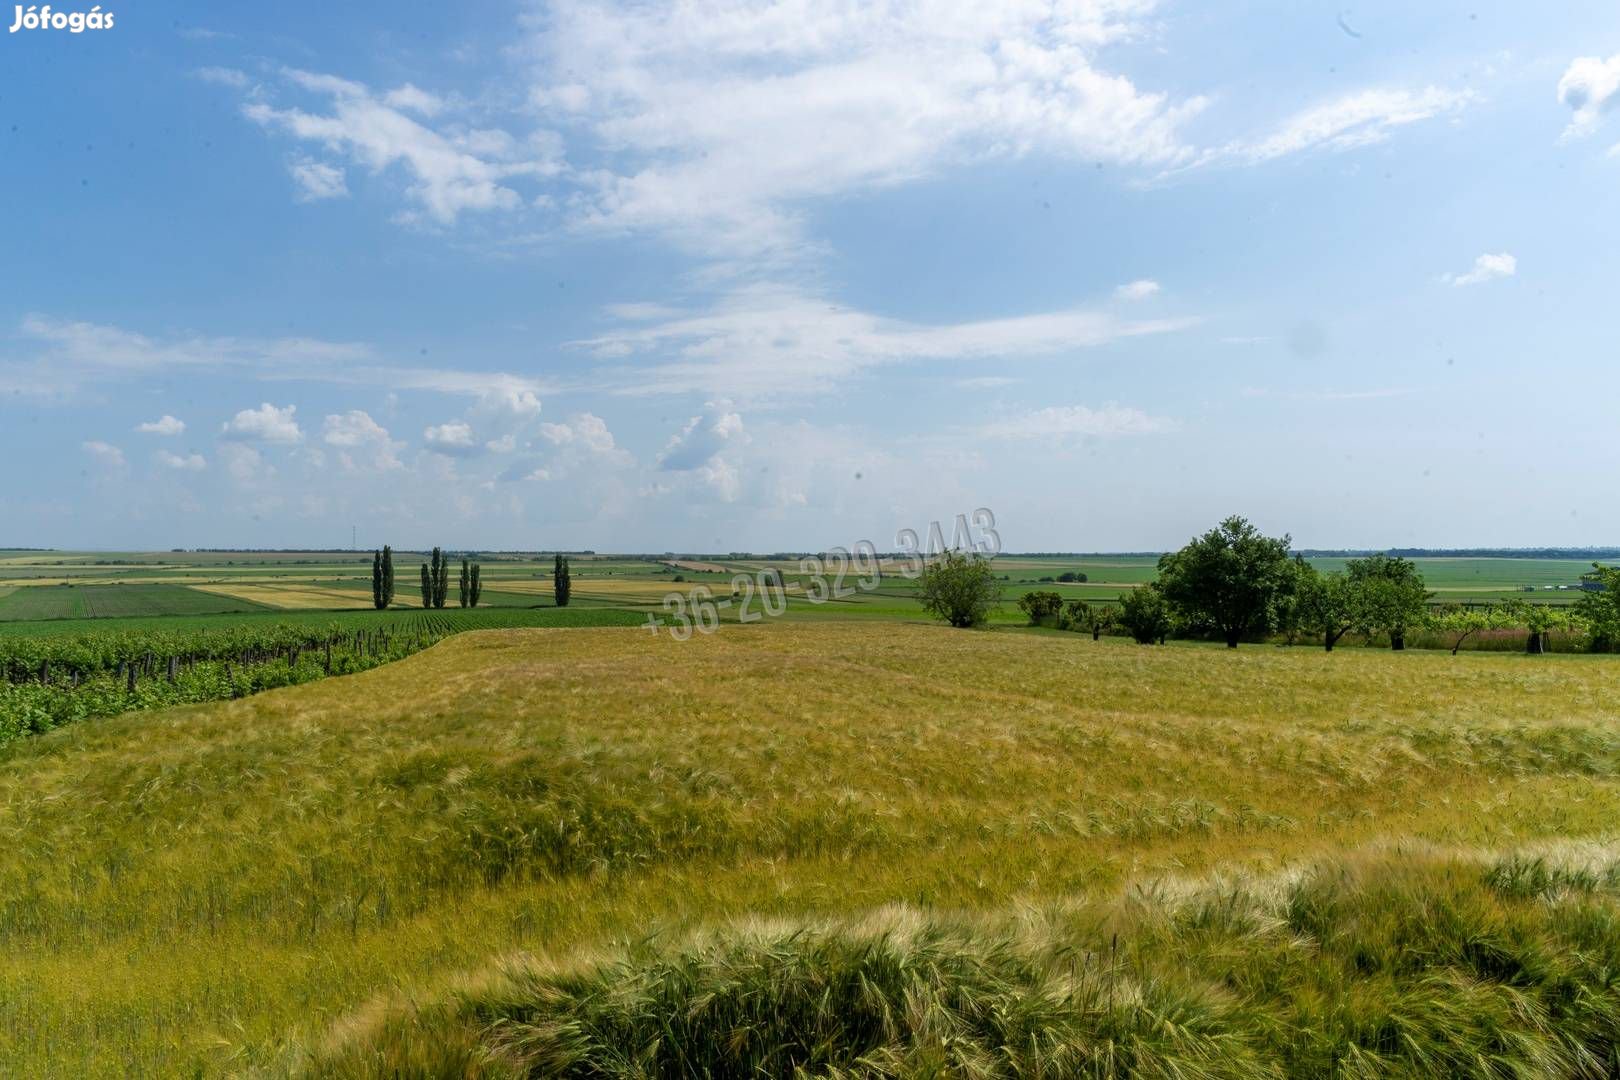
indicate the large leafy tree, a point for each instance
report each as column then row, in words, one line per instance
column 1230, row 580
column 1145, row 615
column 959, row 588
column 1329, row 604
column 1600, row 608
column 1040, row 606
column 1392, row 598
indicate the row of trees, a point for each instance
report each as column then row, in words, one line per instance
column 1235, row 584
column 435, row 580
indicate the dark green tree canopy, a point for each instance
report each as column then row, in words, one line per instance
column 1145, row 615
column 1230, row 580
column 562, row 581
column 1040, row 606
column 959, row 588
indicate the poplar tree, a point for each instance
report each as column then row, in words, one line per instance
column 439, row 577
column 466, row 582
column 476, row 588
column 427, row 586
column 388, row 575
column 377, row 600
column 561, row 585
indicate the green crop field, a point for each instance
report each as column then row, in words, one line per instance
column 425, row 868
column 113, row 601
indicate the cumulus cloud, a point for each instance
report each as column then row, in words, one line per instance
column 1136, row 290
column 166, row 425
column 702, row 439
column 104, row 454
column 454, row 438
column 1590, row 87
column 1486, row 268
column 361, row 441
column 1063, row 420
column 246, row 465
column 581, row 445
column 266, row 424
column 182, row 463
column 449, row 171
column 586, row 430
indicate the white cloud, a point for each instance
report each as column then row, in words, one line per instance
column 580, row 446
column 1136, row 290
column 186, row 463
column 586, row 430
column 266, row 424
column 362, row 441
column 454, row 438
column 245, row 464
column 768, row 340
column 223, row 76
column 167, row 425
column 449, row 171
column 104, row 454
column 984, row 382
column 70, row 354
column 702, row 438
column 353, row 428
column 503, row 445
column 1590, row 87
column 1359, row 119
column 726, row 117
column 1065, row 420
column 415, row 100
column 1486, row 268
column 317, row 180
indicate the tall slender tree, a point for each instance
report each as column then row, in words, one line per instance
column 427, row 586
column 388, row 575
column 377, row 600
column 466, row 582
column 439, row 577
column 561, row 581
column 476, row 587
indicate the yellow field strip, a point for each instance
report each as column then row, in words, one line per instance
column 290, row 596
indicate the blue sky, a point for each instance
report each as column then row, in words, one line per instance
column 766, row 276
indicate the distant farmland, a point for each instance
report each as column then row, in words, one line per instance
column 57, row 585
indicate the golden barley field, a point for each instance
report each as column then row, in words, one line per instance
column 502, row 855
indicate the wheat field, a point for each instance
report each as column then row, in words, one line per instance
column 311, row 879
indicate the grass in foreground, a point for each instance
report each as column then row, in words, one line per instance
column 1403, row 965
column 213, row 888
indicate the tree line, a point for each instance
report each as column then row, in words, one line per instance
column 1235, row 584
column 435, row 580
